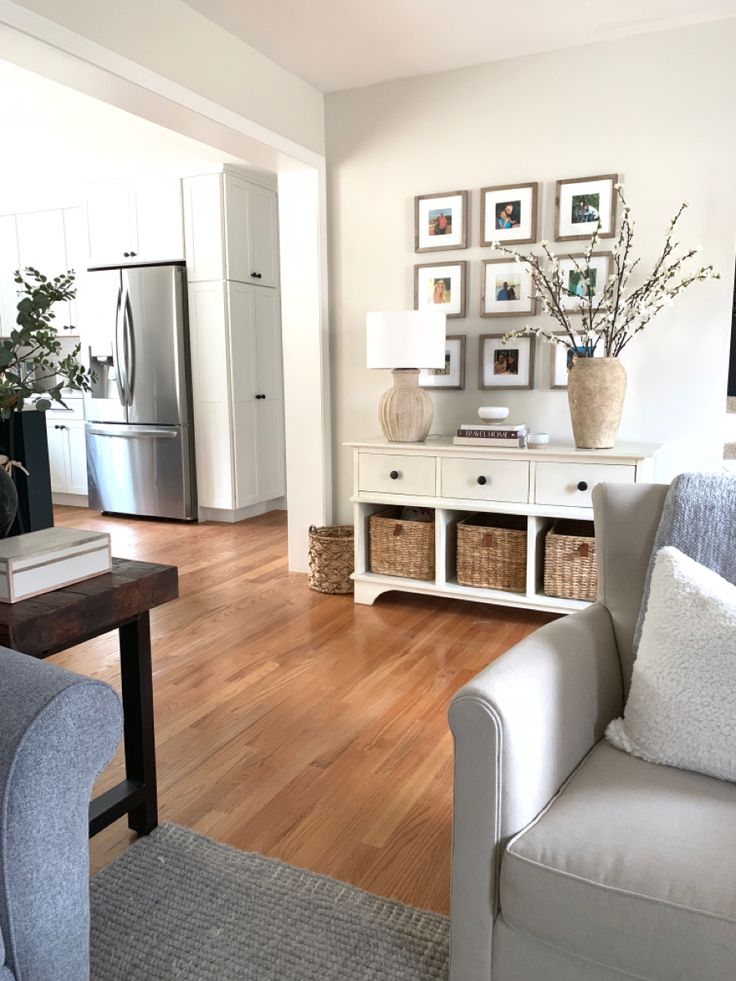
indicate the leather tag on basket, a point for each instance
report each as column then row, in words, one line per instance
column 489, row 540
column 583, row 551
column 398, row 530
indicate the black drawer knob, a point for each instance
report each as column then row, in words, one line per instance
column 482, row 480
column 126, row 254
column 256, row 275
column 133, row 253
column 394, row 475
column 582, row 485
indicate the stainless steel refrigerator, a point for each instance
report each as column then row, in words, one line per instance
column 139, row 433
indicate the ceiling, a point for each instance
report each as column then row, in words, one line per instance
column 340, row 44
column 54, row 139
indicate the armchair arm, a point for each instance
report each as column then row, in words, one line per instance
column 57, row 732
column 520, row 728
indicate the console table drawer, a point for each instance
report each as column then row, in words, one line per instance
column 388, row 473
column 573, row 483
column 482, row 479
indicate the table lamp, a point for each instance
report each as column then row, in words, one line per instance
column 405, row 341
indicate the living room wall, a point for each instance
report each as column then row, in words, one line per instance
column 656, row 109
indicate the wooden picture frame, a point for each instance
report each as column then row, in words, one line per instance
column 427, row 278
column 511, row 276
column 429, row 378
column 493, row 377
column 558, row 363
column 519, row 196
column 601, row 267
column 430, row 210
column 568, row 204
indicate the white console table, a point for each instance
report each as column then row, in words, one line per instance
column 544, row 483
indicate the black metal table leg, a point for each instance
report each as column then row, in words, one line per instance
column 140, row 749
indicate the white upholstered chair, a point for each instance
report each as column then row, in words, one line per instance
column 573, row 861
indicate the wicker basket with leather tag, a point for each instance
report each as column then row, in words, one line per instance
column 401, row 548
column 569, row 561
column 491, row 552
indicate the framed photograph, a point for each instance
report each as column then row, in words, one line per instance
column 575, row 282
column 563, row 359
column 452, row 376
column 508, row 213
column 441, row 286
column 581, row 201
column 506, row 366
column 507, row 289
column 441, row 221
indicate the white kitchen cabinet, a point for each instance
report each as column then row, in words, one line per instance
column 53, row 242
column 231, row 230
column 256, row 379
column 67, row 450
column 8, row 264
column 133, row 221
column 237, row 393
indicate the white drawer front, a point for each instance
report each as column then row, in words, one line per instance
column 573, row 483
column 411, row 474
column 486, row 480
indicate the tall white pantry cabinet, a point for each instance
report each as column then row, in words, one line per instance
column 231, row 237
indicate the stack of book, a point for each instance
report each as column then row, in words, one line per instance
column 490, row 434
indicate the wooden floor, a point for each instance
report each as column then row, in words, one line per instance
column 296, row 724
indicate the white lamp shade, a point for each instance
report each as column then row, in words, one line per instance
column 406, row 339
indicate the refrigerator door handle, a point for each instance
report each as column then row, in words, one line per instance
column 119, row 363
column 129, row 348
column 133, row 432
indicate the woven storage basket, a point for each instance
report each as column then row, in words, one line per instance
column 569, row 561
column 401, row 548
column 491, row 552
column 331, row 558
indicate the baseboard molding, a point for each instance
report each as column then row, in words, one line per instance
column 242, row 514
column 70, row 500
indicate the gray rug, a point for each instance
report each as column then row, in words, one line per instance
column 182, row 907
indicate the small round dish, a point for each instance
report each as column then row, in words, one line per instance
column 493, row 413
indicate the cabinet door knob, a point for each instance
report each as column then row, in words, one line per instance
column 394, row 475
column 56, row 426
column 256, row 275
column 260, row 396
column 126, row 254
column 582, row 485
column 482, row 480
column 133, row 253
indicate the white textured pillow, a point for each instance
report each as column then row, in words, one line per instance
column 681, row 709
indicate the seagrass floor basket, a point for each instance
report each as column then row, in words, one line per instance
column 331, row 558
column 491, row 551
column 399, row 547
column 569, row 561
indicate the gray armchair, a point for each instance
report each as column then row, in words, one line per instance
column 57, row 732
column 572, row 861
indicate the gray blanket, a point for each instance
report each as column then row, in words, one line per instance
column 698, row 518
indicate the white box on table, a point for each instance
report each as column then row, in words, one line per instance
column 41, row 561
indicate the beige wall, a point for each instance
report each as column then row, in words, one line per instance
column 658, row 109
column 168, row 37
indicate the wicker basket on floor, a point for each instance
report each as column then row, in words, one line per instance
column 401, row 548
column 491, row 552
column 331, row 558
column 569, row 561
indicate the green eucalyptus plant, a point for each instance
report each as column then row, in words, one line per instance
column 34, row 341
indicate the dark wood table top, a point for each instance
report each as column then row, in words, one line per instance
column 57, row 620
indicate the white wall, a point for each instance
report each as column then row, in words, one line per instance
column 657, row 109
column 172, row 39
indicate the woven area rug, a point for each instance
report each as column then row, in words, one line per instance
column 182, row 907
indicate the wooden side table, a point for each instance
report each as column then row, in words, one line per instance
column 120, row 600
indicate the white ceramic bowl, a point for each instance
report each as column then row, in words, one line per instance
column 494, row 413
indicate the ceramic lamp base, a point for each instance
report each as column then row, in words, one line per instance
column 405, row 411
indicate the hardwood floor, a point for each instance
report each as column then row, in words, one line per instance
column 296, row 724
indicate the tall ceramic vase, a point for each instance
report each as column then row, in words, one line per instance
column 595, row 390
